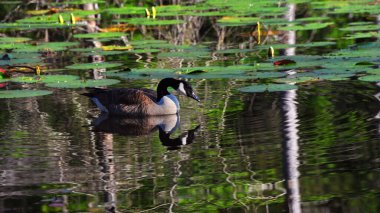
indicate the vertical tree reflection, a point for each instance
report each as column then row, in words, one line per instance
column 290, row 144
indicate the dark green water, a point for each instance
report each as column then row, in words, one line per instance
column 311, row 149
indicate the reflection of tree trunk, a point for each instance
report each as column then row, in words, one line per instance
column 290, row 150
column 290, row 145
column 107, row 162
column 46, row 39
column 221, row 33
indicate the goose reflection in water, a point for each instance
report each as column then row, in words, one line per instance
column 133, row 126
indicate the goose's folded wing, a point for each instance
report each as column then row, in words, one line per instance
column 124, row 96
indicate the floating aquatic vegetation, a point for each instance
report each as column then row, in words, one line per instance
column 20, row 61
column 80, row 2
column 23, row 93
column 295, row 79
column 45, row 79
column 145, row 73
column 234, row 51
column 100, row 35
column 54, row 18
column 363, row 35
column 374, row 71
column 83, row 83
column 116, row 47
column 46, row 46
column 370, row 78
column 11, row 46
column 127, row 10
column 139, row 51
column 22, row 26
column 268, row 88
column 185, row 54
column 339, row 71
column 237, row 21
column 309, row 26
column 96, row 51
column 336, row 77
column 87, row 66
column 14, row 39
column 234, row 69
column 368, row 27
column 150, row 22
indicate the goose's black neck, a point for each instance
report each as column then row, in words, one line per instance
column 162, row 88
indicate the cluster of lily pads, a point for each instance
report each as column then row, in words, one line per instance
column 358, row 62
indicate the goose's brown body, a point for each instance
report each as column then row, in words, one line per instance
column 140, row 102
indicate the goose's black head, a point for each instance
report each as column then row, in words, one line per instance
column 181, row 86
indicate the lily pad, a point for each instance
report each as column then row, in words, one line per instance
column 370, row 78
column 150, row 22
column 361, row 28
column 14, row 39
column 23, row 93
column 185, row 54
column 45, row 79
column 310, row 26
column 339, row 77
column 268, row 88
column 48, row 46
column 87, row 66
column 100, row 35
column 83, row 83
column 21, row 61
column 295, row 79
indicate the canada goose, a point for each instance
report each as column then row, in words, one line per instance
column 142, row 102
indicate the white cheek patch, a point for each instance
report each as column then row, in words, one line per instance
column 184, row 140
column 181, row 89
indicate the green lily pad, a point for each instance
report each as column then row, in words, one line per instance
column 361, row 28
column 374, row 71
column 127, row 10
column 370, row 78
column 12, row 46
column 185, row 54
column 81, row 2
column 295, row 79
column 53, row 18
column 48, row 46
column 268, row 88
column 362, row 35
column 238, row 21
column 16, row 61
column 83, row 83
column 96, row 51
column 14, row 39
column 310, row 26
column 336, row 77
column 31, row 26
column 147, row 43
column 23, row 93
column 139, row 51
column 150, row 22
column 100, row 35
column 45, row 79
column 87, row 66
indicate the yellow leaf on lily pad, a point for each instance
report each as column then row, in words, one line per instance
column 114, row 47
